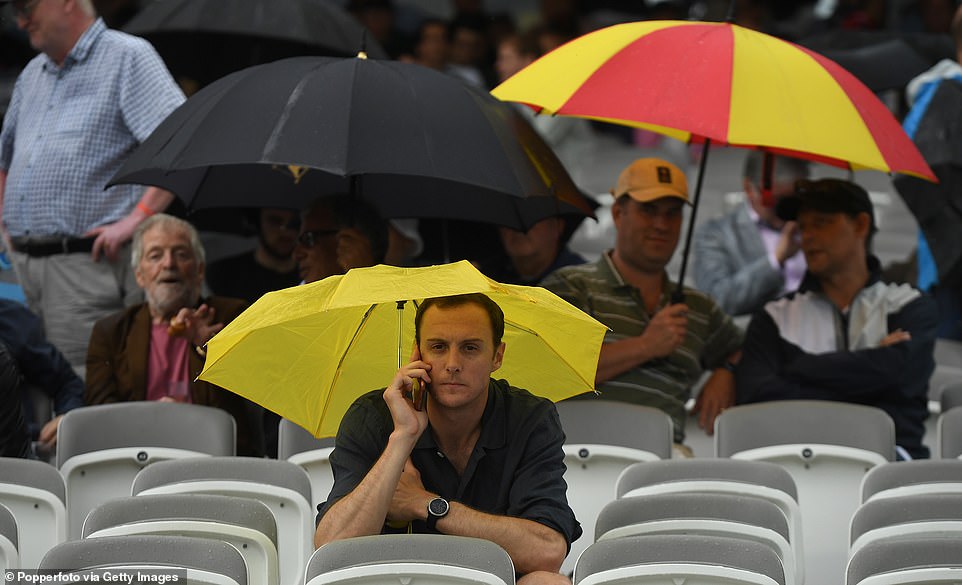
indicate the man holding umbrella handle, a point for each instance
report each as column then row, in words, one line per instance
column 490, row 465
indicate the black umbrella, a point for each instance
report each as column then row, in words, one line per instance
column 411, row 141
column 204, row 40
column 938, row 207
column 888, row 65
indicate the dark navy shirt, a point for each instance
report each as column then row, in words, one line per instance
column 516, row 468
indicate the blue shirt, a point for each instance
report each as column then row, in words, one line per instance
column 69, row 129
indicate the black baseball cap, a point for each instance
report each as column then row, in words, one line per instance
column 827, row 196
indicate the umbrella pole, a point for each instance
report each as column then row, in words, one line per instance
column 400, row 324
column 679, row 296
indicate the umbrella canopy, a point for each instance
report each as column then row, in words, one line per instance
column 718, row 81
column 411, row 141
column 234, row 34
column 309, row 351
column 938, row 207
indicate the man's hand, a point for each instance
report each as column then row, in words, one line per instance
column 408, row 421
column 410, row 500
column 110, row 238
column 897, row 336
column 716, row 395
column 666, row 330
column 48, row 434
column 788, row 243
column 197, row 325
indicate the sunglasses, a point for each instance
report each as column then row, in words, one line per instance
column 313, row 237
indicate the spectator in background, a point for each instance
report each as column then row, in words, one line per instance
column 316, row 249
column 432, row 49
column 469, row 49
column 749, row 256
column 42, row 366
column 155, row 351
column 268, row 267
column 657, row 347
column 379, row 18
column 108, row 91
column 844, row 335
column 534, row 254
column 14, row 440
column 572, row 139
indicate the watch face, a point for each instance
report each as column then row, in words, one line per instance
column 438, row 507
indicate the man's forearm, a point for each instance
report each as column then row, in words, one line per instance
column 620, row 356
column 156, row 199
column 363, row 511
column 531, row 545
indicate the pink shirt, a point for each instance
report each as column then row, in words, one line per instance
column 167, row 366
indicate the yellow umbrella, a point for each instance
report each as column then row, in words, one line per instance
column 309, row 351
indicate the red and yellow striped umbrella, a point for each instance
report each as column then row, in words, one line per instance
column 718, row 81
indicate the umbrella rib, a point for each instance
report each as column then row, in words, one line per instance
column 340, row 361
column 549, row 346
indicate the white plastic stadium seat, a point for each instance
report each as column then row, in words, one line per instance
column 410, row 559
column 34, row 493
column 602, row 438
column 101, row 448
column 299, row 446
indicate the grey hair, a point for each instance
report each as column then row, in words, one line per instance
column 786, row 169
column 169, row 222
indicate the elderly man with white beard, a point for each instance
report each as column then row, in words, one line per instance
column 155, row 350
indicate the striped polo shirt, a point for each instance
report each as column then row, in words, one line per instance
column 664, row 383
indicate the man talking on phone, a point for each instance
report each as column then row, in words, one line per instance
column 481, row 459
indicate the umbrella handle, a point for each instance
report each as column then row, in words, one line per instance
column 679, row 295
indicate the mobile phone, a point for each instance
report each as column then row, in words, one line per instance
column 418, row 394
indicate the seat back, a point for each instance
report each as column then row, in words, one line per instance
column 758, row 479
column 602, row 437
column 420, row 559
column 674, row 558
column 729, row 515
column 950, row 434
column 917, row 560
column 245, row 523
column 301, row 447
column 101, row 448
column 827, row 447
column 906, row 478
column 9, row 542
column 281, row 485
column 951, row 396
column 205, row 561
column 899, row 517
column 34, row 493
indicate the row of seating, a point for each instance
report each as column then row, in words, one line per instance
column 822, row 445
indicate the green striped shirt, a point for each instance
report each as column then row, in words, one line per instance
column 664, row 383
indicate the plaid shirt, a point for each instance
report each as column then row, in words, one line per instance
column 69, row 129
column 663, row 383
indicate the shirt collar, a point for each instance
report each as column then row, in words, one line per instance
column 610, row 273
column 82, row 48
column 494, row 427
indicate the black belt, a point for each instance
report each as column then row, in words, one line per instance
column 47, row 247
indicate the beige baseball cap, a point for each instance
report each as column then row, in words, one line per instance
column 648, row 179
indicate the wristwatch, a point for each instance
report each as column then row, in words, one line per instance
column 437, row 509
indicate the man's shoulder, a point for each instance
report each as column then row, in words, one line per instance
column 519, row 401
column 575, row 273
column 114, row 40
column 122, row 320
column 226, row 309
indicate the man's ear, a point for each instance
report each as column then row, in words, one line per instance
column 498, row 357
column 863, row 224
